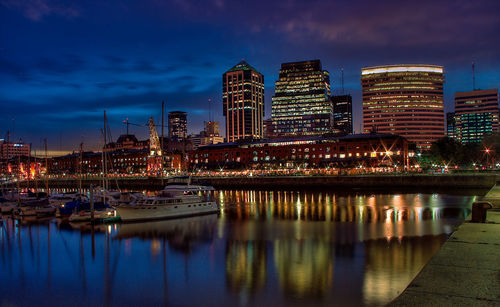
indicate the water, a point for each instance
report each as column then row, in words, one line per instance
column 264, row 248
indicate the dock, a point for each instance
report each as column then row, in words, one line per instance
column 466, row 270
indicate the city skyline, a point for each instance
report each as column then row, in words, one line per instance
column 63, row 64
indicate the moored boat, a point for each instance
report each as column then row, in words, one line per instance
column 169, row 204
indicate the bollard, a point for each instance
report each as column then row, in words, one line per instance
column 479, row 209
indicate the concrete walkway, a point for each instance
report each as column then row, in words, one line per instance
column 466, row 270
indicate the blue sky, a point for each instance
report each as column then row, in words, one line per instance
column 63, row 62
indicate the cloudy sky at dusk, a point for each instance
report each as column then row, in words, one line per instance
column 63, row 62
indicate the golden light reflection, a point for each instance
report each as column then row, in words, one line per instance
column 305, row 267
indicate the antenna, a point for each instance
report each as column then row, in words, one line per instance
column 209, row 109
column 473, row 77
column 342, row 79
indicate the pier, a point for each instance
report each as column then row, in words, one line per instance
column 466, row 270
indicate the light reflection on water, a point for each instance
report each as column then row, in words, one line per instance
column 265, row 247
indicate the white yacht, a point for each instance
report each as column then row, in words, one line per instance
column 169, row 204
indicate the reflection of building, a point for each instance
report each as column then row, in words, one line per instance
column 476, row 115
column 305, row 267
column 366, row 149
column 391, row 265
column 177, row 125
column 246, row 266
column 9, row 150
column 406, row 100
column 243, row 102
column 342, row 113
column 301, row 103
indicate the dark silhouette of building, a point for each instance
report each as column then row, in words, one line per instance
column 177, row 125
column 342, row 113
column 451, row 125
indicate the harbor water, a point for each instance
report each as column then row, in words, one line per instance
column 264, row 248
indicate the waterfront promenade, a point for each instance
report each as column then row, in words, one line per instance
column 466, row 270
column 449, row 182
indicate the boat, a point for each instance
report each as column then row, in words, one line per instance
column 35, row 207
column 79, row 211
column 86, row 215
column 183, row 183
column 60, row 200
column 169, row 204
column 7, row 207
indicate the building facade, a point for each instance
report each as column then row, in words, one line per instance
column 301, row 104
column 243, row 102
column 314, row 151
column 342, row 113
column 177, row 125
column 476, row 115
column 209, row 136
column 406, row 100
column 451, row 131
column 9, row 149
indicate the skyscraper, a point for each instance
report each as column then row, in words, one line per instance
column 406, row 100
column 342, row 113
column 301, row 104
column 476, row 114
column 177, row 125
column 243, row 102
column 450, row 125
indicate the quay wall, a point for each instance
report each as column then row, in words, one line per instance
column 415, row 182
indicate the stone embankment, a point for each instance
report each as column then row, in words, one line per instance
column 466, row 270
column 406, row 182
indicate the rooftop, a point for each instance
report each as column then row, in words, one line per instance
column 402, row 68
column 242, row 66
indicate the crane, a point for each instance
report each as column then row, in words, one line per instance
column 127, row 123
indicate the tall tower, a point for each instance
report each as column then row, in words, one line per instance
column 177, row 125
column 342, row 113
column 406, row 100
column 301, row 103
column 476, row 115
column 243, row 102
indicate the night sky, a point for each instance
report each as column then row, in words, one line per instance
column 63, row 62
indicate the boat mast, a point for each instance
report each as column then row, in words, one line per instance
column 46, row 168
column 104, row 166
column 80, row 177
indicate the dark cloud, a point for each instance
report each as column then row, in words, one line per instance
column 36, row 10
column 126, row 57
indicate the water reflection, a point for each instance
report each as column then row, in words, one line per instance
column 265, row 247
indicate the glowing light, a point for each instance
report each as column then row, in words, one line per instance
column 401, row 68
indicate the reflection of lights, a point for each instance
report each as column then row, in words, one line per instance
column 388, row 214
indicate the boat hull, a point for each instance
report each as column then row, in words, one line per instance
column 136, row 213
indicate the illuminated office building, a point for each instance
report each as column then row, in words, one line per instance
column 342, row 113
column 9, row 149
column 406, row 100
column 243, row 102
column 301, row 104
column 177, row 125
column 476, row 115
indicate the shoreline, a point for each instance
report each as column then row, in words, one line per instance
column 478, row 184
